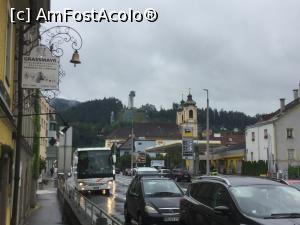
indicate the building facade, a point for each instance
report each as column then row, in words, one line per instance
column 186, row 116
column 276, row 137
column 44, row 126
column 8, row 109
column 260, row 141
column 52, row 144
column 7, row 122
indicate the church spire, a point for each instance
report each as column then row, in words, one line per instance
column 190, row 100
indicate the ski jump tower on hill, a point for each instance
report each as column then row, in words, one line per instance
column 131, row 99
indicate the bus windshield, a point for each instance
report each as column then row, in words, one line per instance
column 94, row 164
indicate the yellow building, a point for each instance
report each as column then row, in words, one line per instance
column 228, row 160
column 186, row 117
column 7, row 125
column 8, row 75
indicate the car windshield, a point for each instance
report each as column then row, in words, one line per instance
column 267, row 201
column 161, row 188
column 94, row 164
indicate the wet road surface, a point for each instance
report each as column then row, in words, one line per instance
column 114, row 204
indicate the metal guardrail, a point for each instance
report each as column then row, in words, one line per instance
column 87, row 212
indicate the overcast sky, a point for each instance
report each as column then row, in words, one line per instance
column 247, row 53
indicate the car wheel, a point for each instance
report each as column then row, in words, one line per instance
column 140, row 220
column 127, row 215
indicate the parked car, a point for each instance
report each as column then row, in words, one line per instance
column 165, row 173
column 118, row 171
column 151, row 199
column 181, row 175
column 127, row 172
column 144, row 170
column 239, row 200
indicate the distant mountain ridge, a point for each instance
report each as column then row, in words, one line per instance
column 61, row 104
column 95, row 119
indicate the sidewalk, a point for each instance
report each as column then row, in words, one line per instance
column 48, row 208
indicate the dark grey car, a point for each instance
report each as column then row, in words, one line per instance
column 240, row 200
column 152, row 200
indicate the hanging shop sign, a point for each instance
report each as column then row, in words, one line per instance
column 40, row 69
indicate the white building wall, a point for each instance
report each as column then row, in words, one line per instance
column 290, row 120
column 259, row 147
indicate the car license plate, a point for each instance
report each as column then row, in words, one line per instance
column 171, row 219
column 185, row 175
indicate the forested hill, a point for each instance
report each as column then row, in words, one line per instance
column 92, row 119
column 61, row 104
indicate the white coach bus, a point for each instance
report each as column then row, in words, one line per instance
column 93, row 169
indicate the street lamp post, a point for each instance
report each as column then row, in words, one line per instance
column 54, row 37
column 64, row 132
column 132, row 144
column 207, row 134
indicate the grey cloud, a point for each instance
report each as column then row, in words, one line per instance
column 245, row 52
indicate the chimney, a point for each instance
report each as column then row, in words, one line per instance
column 282, row 104
column 296, row 94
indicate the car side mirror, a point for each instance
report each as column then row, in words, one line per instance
column 222, row 210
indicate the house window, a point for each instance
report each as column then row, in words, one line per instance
column 265, row 134
column 253, row 136
column 52, row 126
column 291, row 155
column 191, row 114
column 251, row 156
column 289, row 133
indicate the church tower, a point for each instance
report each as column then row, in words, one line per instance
column 186, row 116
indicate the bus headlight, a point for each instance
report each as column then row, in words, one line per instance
column 81, row 184
column 110, row 182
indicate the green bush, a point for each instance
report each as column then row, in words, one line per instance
column 294, row 172
column 255, row 168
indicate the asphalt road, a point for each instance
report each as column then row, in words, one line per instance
column 114, row 203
